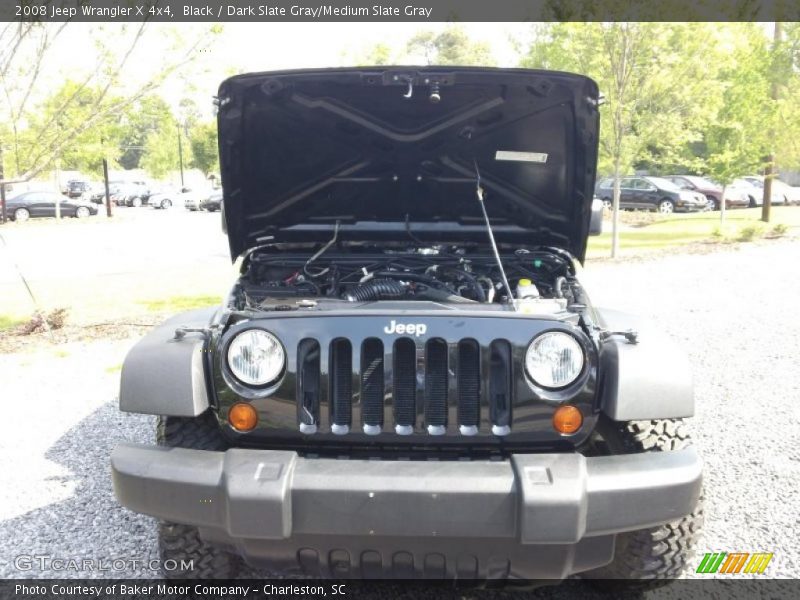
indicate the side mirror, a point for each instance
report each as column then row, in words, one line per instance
column 596, row 222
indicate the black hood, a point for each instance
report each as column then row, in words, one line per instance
column 392, row 152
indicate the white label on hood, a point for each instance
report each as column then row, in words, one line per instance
column 535, row 157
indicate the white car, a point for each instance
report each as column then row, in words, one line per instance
column 186, row 197
column 757, row 193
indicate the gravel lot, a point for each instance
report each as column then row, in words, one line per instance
column 735, row 310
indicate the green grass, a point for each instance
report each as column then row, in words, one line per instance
column 681, row 229
column 179, row 303
column 114, row 369
column 10, row 322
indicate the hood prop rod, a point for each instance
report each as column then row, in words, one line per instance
column 480, row 196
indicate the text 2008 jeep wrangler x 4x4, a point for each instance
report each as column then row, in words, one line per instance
column 408, row 378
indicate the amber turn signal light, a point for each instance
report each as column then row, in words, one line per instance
column 567, row 419
column 242, row 416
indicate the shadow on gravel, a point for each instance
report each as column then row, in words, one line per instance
column 90, row 525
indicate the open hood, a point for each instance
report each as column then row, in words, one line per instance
column 392, row 152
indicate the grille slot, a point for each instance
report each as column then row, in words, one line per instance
column 372, row 384
column 308, row 385
column 436, row 385
column 500, row 387
column 404, row 385
column 341, row 385
column 469, row 385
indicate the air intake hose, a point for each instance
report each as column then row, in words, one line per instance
column 376, row 289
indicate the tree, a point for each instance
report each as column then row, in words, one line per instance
column 738, row 138
column 203, row 142
column 452, row 46
column 139, row 120
column 66, row 109
column 652, row 77
column 24, row 51
column 160, row 153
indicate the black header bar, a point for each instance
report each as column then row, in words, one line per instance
column 267, row 11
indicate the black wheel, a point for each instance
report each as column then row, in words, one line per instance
column 165, row 203
column 608, row 204
column 712, row 203
column 22, row 214
column 648, row 558
column 136, row 202
column 753, row 203
column 184, row 555
column 82, row 212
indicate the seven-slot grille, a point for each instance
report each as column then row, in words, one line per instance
column 406, row 386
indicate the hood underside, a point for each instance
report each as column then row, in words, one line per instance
column 392, row 153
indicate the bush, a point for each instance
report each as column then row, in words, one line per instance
column 749, row 232
column 779, row 229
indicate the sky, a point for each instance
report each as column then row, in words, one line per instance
column 245, row 47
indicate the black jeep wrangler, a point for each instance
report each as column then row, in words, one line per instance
column 408, row 378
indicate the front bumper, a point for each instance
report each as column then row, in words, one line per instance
column 543, row 515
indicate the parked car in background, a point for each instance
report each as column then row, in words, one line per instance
column 193, row 198
column 651, row 193
column 711, row 190
column 43, row 204
column 187, row 197
column 756, row 193
column 213, row 202
column 131, row 193
column 78, row 189
column 791, row 195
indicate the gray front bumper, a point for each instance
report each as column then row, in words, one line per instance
column 529, row 499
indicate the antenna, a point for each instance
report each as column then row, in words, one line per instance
column 479, row 194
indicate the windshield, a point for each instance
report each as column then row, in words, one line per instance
column 664, row 184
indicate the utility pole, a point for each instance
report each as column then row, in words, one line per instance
column 105, row 176
column 770, row 171
column 180, row 152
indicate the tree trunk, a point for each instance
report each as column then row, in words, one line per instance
column 615, row 212
column 769, row 172
column 722, row 204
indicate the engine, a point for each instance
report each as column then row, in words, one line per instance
column 455, row 277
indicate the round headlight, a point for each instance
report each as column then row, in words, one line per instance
column 256, row 357
column 554, row 359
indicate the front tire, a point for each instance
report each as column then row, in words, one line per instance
column 180, row 545
column 136, row 202
column 648, row 558
column 666, row 207
column 712, row 203
column 165, row 204
column 82, row 212
column 22, row 214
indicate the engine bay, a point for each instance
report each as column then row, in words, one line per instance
column 452, row 277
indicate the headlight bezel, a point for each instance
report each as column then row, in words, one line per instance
column 576, row 381
column 240, row 386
